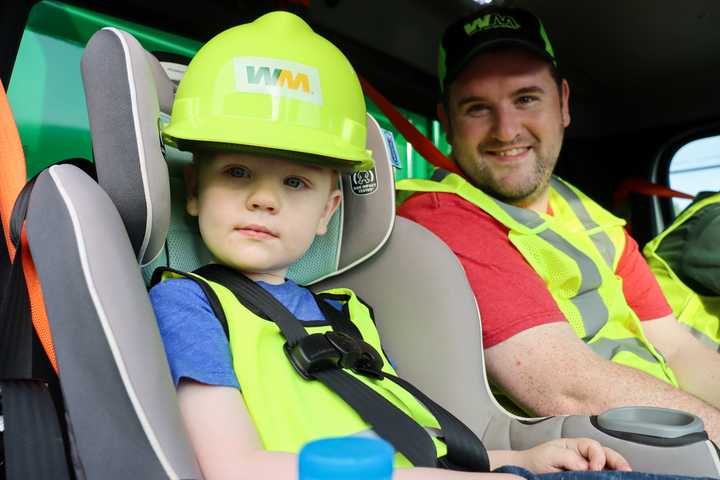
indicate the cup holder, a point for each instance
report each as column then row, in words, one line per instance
column 651, row 421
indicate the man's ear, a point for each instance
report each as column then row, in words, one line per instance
column 191, row 190
column 333, row 202
column 565, row 105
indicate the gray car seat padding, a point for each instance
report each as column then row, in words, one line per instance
column 118, row 392
column 122, row 99
column 437, row 345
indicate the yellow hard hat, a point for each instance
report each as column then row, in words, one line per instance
column 272, row 86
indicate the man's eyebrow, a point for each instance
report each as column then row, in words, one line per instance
column 527, row 90
column 518, row 92
column 470, row 99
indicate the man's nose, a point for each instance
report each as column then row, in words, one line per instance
column 263, row 196
column 507, row 125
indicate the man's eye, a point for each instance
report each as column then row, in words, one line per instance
column 477, row 109
column 527, row 100
column 295, row 183
column 239, row 172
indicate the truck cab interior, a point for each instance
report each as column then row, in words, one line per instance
column 645, row 119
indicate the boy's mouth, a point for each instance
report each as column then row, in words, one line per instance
column 256, row 231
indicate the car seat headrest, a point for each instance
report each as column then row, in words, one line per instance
column 129, row 96
column 123, row 110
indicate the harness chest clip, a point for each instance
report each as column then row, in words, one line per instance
column 317, row 352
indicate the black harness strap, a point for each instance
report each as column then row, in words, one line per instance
column 339, row 319
column 465, row 450
column 33, row 441
column 16, row 331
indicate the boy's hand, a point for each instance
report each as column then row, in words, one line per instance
column 571, row 454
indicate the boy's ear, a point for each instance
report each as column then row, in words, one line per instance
column 332, row 204
column 191, row 190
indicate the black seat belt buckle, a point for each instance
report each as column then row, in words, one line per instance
column 357, row 355
column 318, row 352
column 312, row 354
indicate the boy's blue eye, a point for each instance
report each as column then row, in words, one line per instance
column 295, row 183
column 239, row 172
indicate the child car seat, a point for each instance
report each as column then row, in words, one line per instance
column 119, row 396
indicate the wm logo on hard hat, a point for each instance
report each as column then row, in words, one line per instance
column 277, row 78
column 489, row 21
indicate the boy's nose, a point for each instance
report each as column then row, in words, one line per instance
column 263, row 197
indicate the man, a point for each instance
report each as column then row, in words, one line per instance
column 685, row 259
column 552, row 271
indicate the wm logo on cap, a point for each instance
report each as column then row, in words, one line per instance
column 278, row 78
column 489, row 21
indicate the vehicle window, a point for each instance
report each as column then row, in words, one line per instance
column 694, row 168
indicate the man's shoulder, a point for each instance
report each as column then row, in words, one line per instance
column 460, row 224
column 436, row 204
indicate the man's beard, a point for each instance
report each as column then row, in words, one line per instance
column 524, row 193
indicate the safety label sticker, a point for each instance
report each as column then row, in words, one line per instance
column 364, row 183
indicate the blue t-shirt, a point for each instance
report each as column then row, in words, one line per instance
column 195, row 343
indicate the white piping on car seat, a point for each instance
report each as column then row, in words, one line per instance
column 102, row 316
column 140, row 143
column 383, row 241
column 713, row 454
column 487, row 384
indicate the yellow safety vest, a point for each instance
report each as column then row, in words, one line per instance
column 701, row 314
column 576, row 252
column 289, row 411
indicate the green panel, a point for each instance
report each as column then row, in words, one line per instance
column 48, row 101
column 45, row 90
column 413, row 164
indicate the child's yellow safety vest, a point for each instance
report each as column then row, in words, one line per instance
column 289, row 411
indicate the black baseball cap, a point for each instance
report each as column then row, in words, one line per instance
column 487, row 28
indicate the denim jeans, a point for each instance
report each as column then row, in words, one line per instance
column 604, row 475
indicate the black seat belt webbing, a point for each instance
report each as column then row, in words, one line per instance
column 33, row 441
column 16, row 330
column 465, row 450
column 339, row 319
column 468, row 452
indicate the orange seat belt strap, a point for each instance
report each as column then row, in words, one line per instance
column 419, row 141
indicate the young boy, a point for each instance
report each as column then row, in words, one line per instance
column 272, row 112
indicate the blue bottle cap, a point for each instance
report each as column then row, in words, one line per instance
column 346, row 458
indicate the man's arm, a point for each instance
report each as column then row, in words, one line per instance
column 549, row 371
column 696, row 365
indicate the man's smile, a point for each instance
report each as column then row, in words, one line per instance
column 505, row 154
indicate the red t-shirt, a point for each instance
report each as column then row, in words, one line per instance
column 511, row 296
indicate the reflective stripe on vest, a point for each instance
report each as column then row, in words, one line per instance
column 590, row 241
column 698, row 313
column 287, row 410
